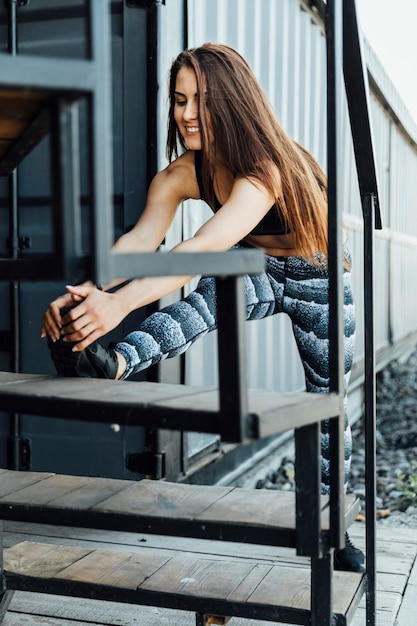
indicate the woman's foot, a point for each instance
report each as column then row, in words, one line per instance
column 349, row 559
column 96, row 361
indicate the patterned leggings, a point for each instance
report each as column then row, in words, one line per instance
column 290, row 285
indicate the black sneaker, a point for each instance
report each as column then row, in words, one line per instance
column 349, row 558
column 96, row 361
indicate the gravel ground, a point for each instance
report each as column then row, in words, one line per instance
column 396, row 447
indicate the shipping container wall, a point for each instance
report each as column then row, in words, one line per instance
column 58, row 29
column 287, row 56
column 395, row 134
column 284, row 44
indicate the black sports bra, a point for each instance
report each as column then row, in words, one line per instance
column 270, row 224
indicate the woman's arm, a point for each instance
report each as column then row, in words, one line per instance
column 99, row 312
column 167, row 190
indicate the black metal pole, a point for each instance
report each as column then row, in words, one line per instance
column 13, row 444
column 152, row 25
column 335, row 268
column 231, row 341
column 185, row 24
column 370, row 408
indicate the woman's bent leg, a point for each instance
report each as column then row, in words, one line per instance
column 166, row 333
column 171, row 331
column 306, row 302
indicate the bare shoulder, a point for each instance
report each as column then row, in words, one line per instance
column 179, row 177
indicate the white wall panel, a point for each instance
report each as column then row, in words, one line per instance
column 287, row 56
column 286, row 49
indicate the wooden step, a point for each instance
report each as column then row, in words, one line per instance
column 25, row 118
column 259, row 516
column 260, row 591
column 20, row 126
column 29, row 87
column 158, row 405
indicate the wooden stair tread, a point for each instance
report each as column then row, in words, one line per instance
column 209, row 512
column 28, row 85
column 18, row 109
column 217, row 585
column 24, row 122
column 158, row 405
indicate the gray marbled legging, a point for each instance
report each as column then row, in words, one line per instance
column 290, row 285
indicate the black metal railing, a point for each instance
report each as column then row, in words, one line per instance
column 344, row 63
column 357, row 95
column 344, row 40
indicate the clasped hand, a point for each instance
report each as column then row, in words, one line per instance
column 93, row 313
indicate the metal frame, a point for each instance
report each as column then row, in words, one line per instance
column 334, row 25
column 65, row 156
column 92, row 80
column 6, row 595
column 65, row 82
column 369, row 209
column 233, row 386
column 357, row 95
column 101, row 165
column 14, row 456
column 344, row 41
column 357, row 90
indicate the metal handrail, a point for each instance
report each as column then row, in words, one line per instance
column 357, row 90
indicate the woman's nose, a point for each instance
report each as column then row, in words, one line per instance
column 191, row 111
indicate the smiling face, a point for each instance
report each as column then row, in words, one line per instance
column 186, row 113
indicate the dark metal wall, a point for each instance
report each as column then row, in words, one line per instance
column 47, row 27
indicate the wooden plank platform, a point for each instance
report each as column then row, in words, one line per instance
column 209, row 584
column 208, row 512
column 395, row 580
column 19, row 110
column 25, row 117
column 194, row 584
column 396, row 570
column 29, row 88
column 158, row 405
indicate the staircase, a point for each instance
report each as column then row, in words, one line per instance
column 48, row 91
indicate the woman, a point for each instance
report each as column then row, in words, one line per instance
column 265, row 192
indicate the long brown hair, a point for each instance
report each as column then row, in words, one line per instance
column 248, row 137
